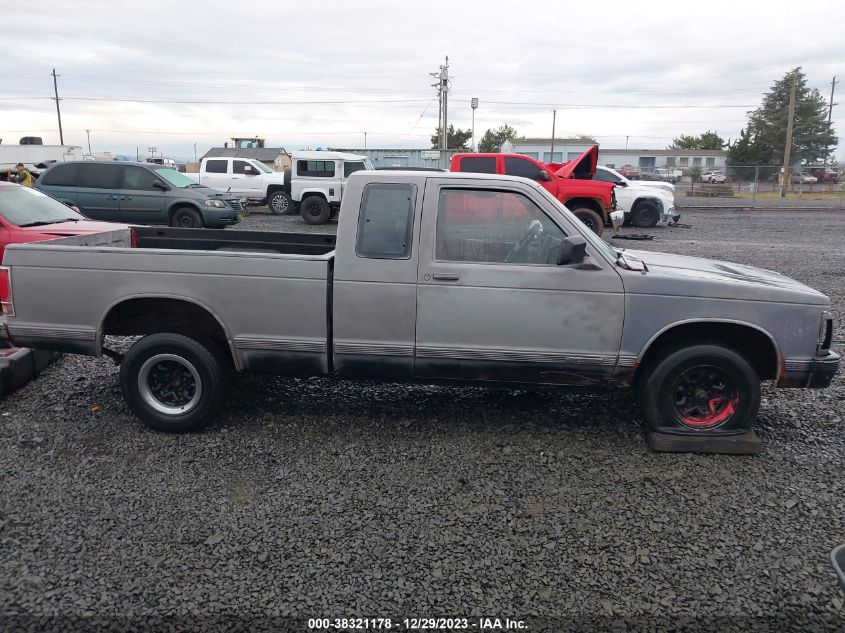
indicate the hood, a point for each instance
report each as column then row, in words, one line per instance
column 64, row 229
column 656, row 184
column 697, row 276
column 581, row 167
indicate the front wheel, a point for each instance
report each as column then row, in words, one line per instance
column 279, row 203
column 173, row 382
column 645, row 215
column 315, row 210
column 699, row 390
column 591, row 219
column 186, row 218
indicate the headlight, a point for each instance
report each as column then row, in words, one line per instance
column 217, row 204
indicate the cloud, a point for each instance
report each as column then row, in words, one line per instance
column 522, row 60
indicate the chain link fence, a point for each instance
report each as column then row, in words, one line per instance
column 759, row 187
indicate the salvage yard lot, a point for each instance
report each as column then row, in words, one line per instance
column 313, row 498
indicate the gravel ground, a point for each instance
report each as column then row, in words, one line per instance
column 312, row 498
column 834, row 203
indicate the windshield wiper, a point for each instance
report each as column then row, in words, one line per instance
column 40, row 223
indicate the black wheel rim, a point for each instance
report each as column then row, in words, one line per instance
column 313, row 209
column 186, row 221
column 590, row 222
column 704, row 397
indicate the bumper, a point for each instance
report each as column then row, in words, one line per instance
column 670, row 215
column 221, row 217
column 815, row 373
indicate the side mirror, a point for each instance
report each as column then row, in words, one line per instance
column 621, row 183
column 573, row 249
column 544, row 176
column 157, row 184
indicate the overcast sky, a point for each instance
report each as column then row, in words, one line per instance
column 320, row 74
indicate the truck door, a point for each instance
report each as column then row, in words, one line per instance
column 375, row 281
column 246, row 181
column 492, row 303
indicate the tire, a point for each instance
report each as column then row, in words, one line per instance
column 699, row 390
column 279, row 203
column 203, row 378
column 590, row 218
column 186, row 218
column 645, row 215
column 315, row 210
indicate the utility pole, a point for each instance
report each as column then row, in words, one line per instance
column 58, row 110
column 788, row 149
column 473, row 104
column 365, row 140
column 552, row 153
column 830, row 113
column 444, row 80
column 626, row 142
column 88, row 134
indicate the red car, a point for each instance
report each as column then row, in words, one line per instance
column 591, row 201
column 27, row 215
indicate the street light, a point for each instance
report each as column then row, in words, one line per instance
column 473, row 104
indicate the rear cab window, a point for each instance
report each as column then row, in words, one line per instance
column 216, row 166
column 386, row 222
column 478, row 164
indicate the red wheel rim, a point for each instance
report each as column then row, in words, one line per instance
column 704, row 397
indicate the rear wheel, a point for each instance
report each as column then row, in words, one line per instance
column 173, row 382
column 279, row 203
column 315, row 210
column 645, row 215
column 186, row 218
column 700, row 390
column 591, row 219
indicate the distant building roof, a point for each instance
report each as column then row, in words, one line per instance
column 548, row 141
column 665, row 152
column 264, row 154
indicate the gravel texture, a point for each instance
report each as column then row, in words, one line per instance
column 315, row 498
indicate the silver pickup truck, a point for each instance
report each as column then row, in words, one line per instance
column 433, row 277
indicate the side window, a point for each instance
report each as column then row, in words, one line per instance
column 479, row 164
column 138, row 179
column 216, row 166
column 605, row 176
column 61, row 175
column 315, row 168
column 386, row 223
column 481, row 225
column 521, row 167
column 238, row 166
column 350, row 167
column 98, row 176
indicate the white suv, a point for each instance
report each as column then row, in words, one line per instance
column 316, row 181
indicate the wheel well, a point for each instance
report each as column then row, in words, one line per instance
column 318, row 194
column 181, row 205
column 590, row 203
column 153, row 315
column 641, row 201
column 752, row 343
column 274, row 188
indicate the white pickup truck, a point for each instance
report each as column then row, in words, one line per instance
column 313, row 186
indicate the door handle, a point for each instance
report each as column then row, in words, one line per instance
column 112, row 198
column 126, row 197
column 446, row 276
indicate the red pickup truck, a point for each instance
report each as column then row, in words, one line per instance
column 591, row 201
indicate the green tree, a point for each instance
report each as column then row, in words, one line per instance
column 708, row 140
column 493, row 139
column 456, row 138
column 812, row 136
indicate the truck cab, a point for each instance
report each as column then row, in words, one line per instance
column 591, row 201
column 317, row 180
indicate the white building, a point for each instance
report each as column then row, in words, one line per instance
column 645, row 159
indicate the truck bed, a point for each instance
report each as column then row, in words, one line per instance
column 233, row 241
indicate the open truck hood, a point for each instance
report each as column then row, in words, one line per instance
column 582, row 167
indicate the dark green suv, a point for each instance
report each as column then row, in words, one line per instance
column 139, row 193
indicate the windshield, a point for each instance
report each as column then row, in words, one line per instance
column 175, row 178
column 609, row 175
column 611, row 253
column 262, row 167
column 23, row 206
